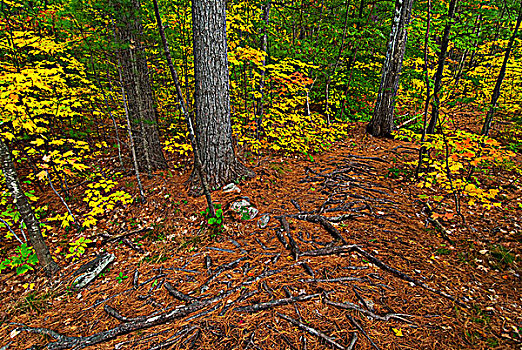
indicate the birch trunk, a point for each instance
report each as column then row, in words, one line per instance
column 26, row 212
column 381, row 123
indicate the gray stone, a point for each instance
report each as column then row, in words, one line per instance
column 88, row 272
column 244, row 208
column 263, row 221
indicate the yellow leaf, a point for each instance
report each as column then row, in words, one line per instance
column 38, row 142
column 28, row 286
column 41, row 175
column 7, row 135
column 398, row 332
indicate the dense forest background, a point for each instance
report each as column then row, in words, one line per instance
column 103, row 103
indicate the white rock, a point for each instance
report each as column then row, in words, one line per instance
column 231, row 187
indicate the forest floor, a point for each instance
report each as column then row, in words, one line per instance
column 348, row 260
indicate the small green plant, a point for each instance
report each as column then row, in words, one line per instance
column 105, row 271
column 35, row 301
column 22, row 261
column 245, row 214
column 443, row 251
column 77, row 248
column 121, row 277
column 503, row 257
column 214, row 224
column 395, row 173
column 309, row 156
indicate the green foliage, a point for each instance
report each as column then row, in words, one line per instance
column 23, row 261
column 503, row 257
column 77, row 248
column 214, row 224
column 121, row 277
column 453, row 159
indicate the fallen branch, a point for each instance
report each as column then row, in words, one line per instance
column 219, row 270
column 126, row 234
column 274, row 303
column 312, row 331
column 329, row 250
column 177, row 294
column 352, row 343
column 324, row 223
column 331, row 280
column 125, row 328
column 114, row 313
column 359, row 327
column 379, row 263
column 386, row 318
column 405, row 277
column 292, row 245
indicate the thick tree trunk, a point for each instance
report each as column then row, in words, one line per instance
column 500, row 79
column 382, row 120
column 138, row 89
column 26, row 212
column 188, row 118
column 212, row 98
column 440, row 68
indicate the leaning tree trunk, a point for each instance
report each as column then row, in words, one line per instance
column 212, row 98
column 381, row 123
column 138, row 88
column 500, row 79
column 435, row 107
column 26, row 212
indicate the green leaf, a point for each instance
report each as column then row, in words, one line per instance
column 33, row 259
column 20, row 270
column 212, row 221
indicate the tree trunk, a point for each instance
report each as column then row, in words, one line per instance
column 382, row 120
column 138, row 89
column 501, row 75
column 440, row 68
column 264, row 48
column 188, row 118
column 212, row 98
column 26, row 212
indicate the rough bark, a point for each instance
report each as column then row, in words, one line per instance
column 212, row 97
column 500, row 79
column 137, row 87
column 188, row 118
column 381, row 123
column 26, row 212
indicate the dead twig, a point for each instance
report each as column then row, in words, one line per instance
column 177, row 294
column 274, row 303
column 312, row 331
column 386, row 318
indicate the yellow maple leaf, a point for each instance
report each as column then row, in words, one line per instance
column 398, row 332
column 38, row 142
